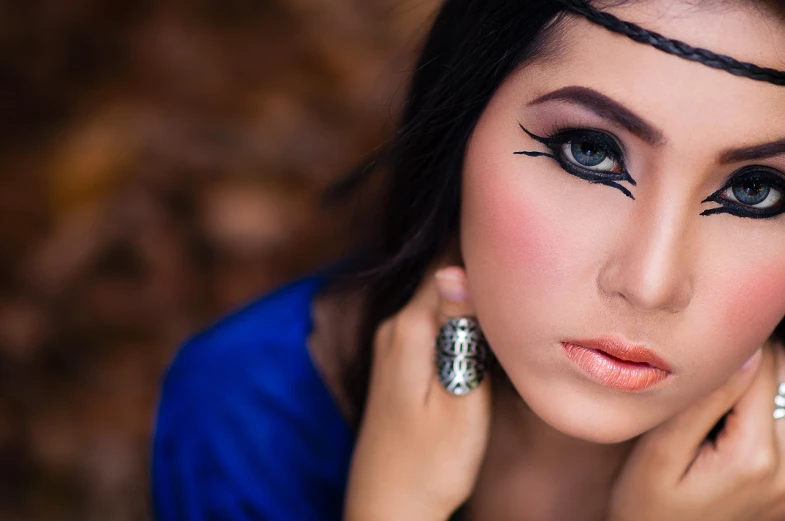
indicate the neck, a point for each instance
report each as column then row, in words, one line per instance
column 532, row 471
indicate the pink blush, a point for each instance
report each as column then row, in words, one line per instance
column 759, row 301
column 514, row 232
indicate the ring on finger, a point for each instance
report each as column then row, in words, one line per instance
column 779, row 402
column 461, row 355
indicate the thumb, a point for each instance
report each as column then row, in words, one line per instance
column 676, row 441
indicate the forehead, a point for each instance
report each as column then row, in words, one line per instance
column 748, row 30
column 672, row 92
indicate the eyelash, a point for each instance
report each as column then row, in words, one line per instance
column 770, row 181
column 558, row 142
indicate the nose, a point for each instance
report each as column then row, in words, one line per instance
column 650, row 264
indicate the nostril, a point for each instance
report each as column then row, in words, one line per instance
column 646, row 283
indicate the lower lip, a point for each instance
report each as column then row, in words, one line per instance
column 613, row 372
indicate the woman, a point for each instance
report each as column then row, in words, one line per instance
column 607, row 202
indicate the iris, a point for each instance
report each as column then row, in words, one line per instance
column 588, row 154
column 751, row 192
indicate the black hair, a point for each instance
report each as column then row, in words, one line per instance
column 472, row 47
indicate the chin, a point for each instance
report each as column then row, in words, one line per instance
column 600, row 432
column 593, row 417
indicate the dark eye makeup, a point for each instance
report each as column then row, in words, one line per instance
column 754, row 191
column 589, row 154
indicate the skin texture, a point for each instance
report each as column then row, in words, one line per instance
column 551, row 257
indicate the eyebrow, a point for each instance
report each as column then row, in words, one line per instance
column 606, row 108
column 763, row 151
column 612, row 110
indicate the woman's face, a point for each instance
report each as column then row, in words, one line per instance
column 565, row 272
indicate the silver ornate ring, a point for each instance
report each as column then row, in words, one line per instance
column 779, row 402
column 461, row 355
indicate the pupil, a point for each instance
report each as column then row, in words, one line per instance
column 751, row 192
column 588, row 154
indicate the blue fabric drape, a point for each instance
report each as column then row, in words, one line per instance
column 246, row 429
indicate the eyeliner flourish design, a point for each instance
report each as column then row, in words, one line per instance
column 592, row 176
column 770, row 179
column 750, row 173
column 535, row 154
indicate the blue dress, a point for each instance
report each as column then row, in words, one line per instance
column 246, row 428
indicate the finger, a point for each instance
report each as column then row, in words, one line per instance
column 749, row 429
column 779, row 424
column 410, row 343
column 455, row 301
column 673, row 444
column 779, row 429
column 404, row 345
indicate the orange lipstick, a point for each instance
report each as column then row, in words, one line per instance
column 617, row 364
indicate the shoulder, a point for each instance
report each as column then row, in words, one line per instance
column 244, row 418
column 275, row 321
column 256, row 355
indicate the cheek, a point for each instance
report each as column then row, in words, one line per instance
column 530, row 249
column 739, row 305
column 530, row 245
column 511, row 243
column 740, row 302
column 530, row 239
column 756, row 302
column 514, row 234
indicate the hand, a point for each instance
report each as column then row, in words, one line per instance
column 673, row 474
column 419, row 447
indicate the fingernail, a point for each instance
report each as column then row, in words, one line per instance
column 452, row 284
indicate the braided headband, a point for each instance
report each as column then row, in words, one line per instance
column 676, row 47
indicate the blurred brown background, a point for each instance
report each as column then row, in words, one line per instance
column 162, row 163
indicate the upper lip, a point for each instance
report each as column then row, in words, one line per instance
column 622, row 350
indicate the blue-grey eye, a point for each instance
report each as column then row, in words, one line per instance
column 756, row 193
column 590, row 155
column 587, row 154
column 751, row 192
